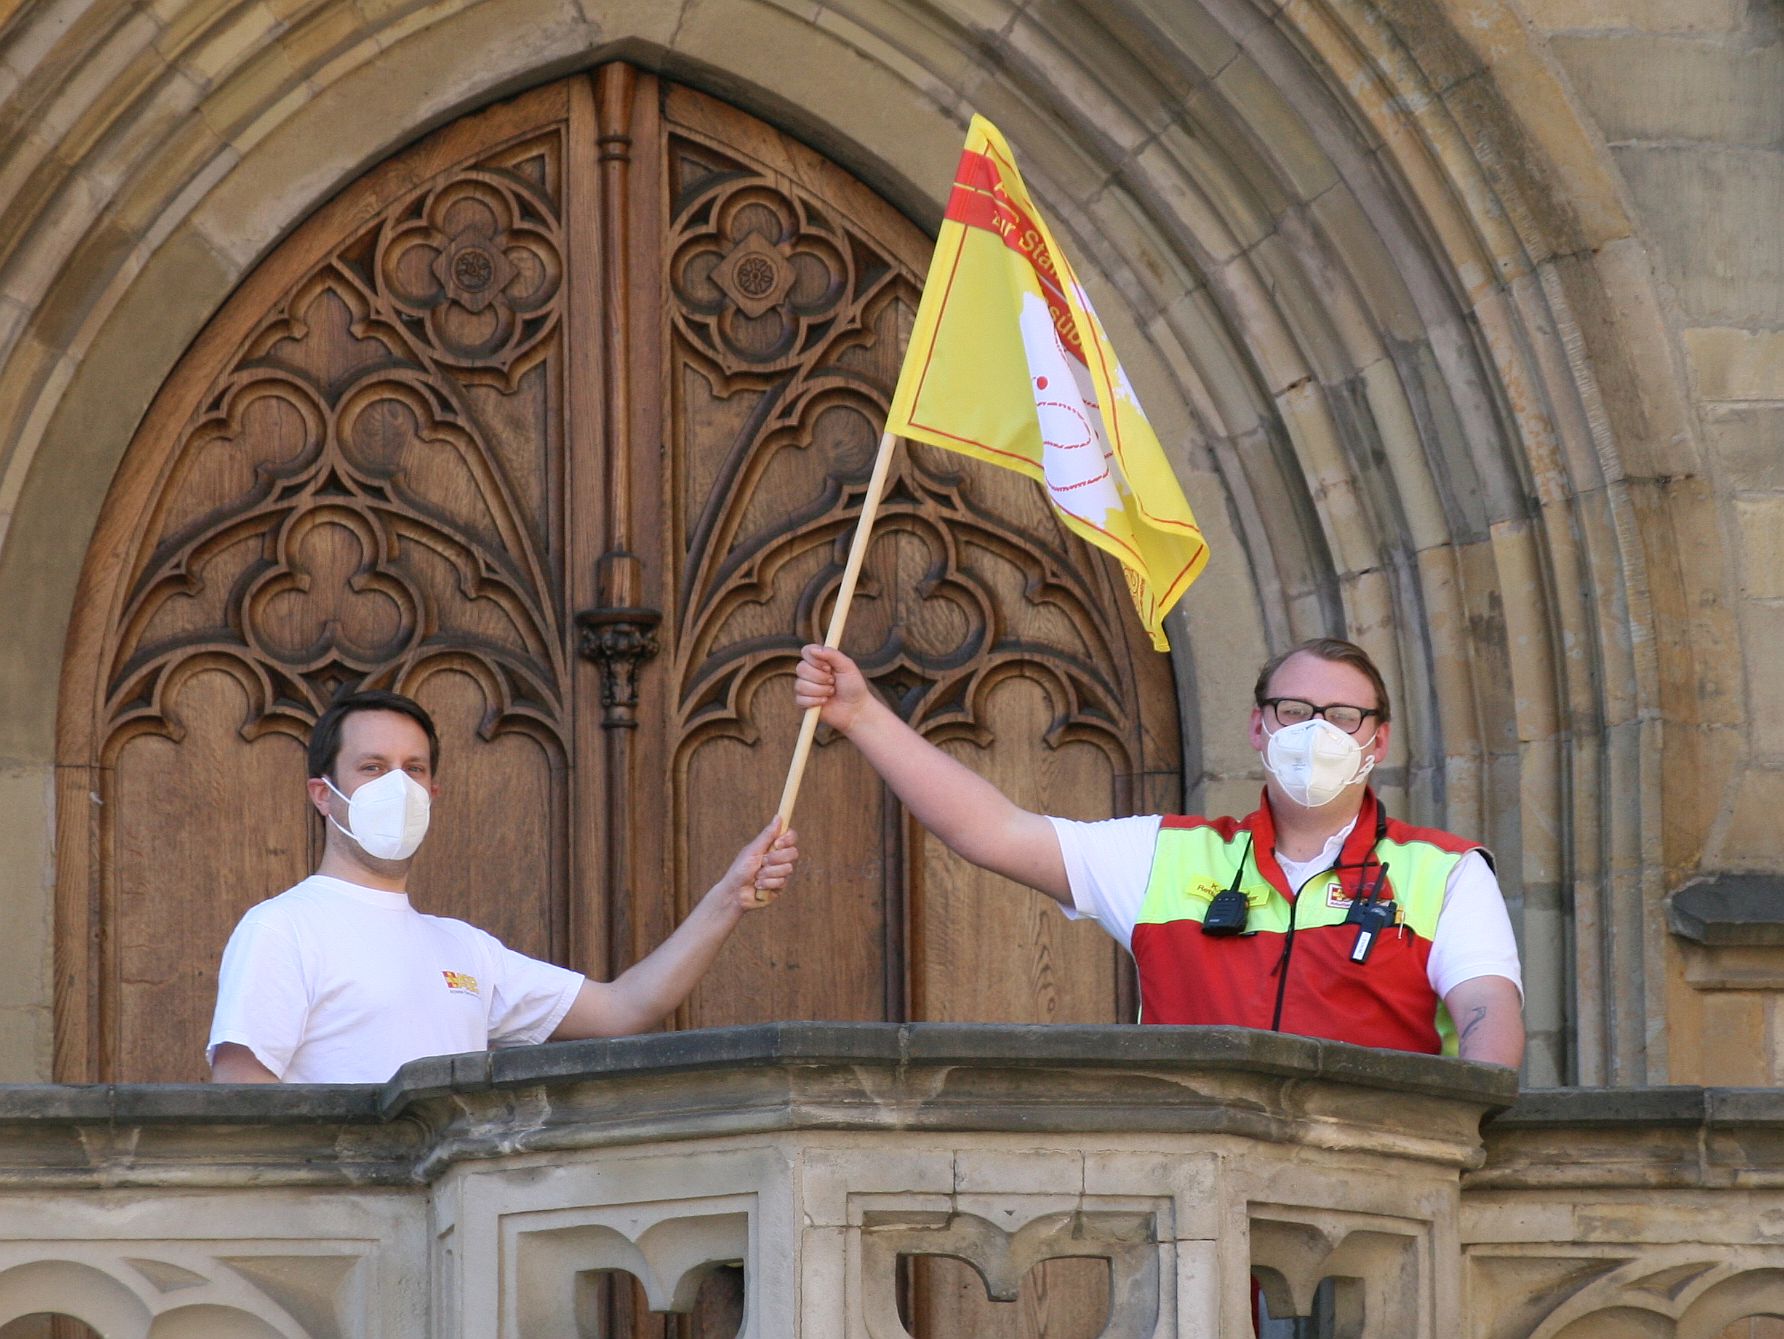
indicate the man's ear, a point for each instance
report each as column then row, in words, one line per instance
column 1257, row 729
column 319, row 794
column 1381, row 742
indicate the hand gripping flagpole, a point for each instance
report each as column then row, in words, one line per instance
column 845, row 594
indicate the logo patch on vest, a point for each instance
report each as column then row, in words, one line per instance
column 1335, row 895
column 460, row 983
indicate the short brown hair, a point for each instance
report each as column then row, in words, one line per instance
column 325, row 739
column 1338, row 651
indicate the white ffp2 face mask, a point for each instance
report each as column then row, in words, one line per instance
column 1313, row 761
column 387, row 816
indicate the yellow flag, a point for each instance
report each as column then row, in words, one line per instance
column 1009, row 363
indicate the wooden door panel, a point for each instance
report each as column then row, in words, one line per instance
column 990, row 950
column 786, row 310
column 1060, row 1299
column 208, row 784
column 822, row 952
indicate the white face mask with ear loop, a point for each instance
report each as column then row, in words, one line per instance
column 1313, row 761
column 388, row 816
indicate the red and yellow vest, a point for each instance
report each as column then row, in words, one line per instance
column 1292, row 970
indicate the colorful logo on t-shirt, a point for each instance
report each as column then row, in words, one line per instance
column 460, row 983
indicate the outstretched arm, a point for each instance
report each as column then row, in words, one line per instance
column 647, row 992
column 1489, row 1017
column 974, row 819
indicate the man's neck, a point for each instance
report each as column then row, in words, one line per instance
column 350, row 867
column 1302, row 833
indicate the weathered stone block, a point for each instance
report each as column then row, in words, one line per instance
column 27, row 1042
column 1193, row 325
column 1194, row 33
column 1762, row 633
column 908, row 42
column 1370, row 264
column 1676, row 88
column 1729, row 364
column 367, row 112
column 1735, row 1044
column 108, row 73
column 1737, row 196
column 833, row 1173
column 1730, row 910
column 1122, row 93
column 1301, row 165
column 1168, row 175
column 1709, row 756
column 1759, row 525
column 208, row 49
column 1654, row 16
column 1528, row 629
column 1747, row 443
column 27, row 822
column 1331, row 325
column 1015, row 1186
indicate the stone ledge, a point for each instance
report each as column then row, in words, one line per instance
column 887, row 1045
column 1643, row 1139
column 1730, row 910
column 190, row 1103
column 1682, row 1106
column 770, row 1080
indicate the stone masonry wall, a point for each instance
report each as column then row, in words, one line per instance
column 1689, row 98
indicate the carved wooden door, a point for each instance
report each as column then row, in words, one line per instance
column 560, row 421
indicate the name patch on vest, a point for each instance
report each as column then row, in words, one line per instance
column 1208, row 889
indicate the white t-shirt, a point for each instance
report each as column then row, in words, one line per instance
column 331, row 982
column 1109, row 864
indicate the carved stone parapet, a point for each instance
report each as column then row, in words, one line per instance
column 799, row 1164
column 619, row 640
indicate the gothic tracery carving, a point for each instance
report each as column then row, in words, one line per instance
column 803, row 321
column 338, row 512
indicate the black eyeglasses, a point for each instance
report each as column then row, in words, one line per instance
column 1292, row 711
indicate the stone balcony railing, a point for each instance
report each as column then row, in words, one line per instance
column 472, row 1195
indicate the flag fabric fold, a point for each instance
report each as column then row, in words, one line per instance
column 1008, row 362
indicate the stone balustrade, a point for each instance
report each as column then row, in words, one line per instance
column 475, row 1196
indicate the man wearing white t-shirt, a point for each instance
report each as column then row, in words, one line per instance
column 1317, row 914
column 341, row 980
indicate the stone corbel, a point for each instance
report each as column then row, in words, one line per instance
column 1731, row 931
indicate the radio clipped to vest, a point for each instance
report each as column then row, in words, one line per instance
column 1371, row 914
column 1227, row 912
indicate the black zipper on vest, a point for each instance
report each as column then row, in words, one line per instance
column 1280, row 971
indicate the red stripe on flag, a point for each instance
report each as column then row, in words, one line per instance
column 979, row 200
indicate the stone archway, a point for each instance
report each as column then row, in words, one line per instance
column 1425, row 392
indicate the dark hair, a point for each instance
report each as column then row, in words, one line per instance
column 1339, row 652
column 325, row 739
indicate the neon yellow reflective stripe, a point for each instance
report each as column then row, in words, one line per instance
column 1190, row 866
column 1418, row 873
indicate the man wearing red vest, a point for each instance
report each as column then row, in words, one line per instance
column 1318, row 914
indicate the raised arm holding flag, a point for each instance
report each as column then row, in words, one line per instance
column 1008, row 362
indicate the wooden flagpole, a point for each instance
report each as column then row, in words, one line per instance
column 845, row 595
